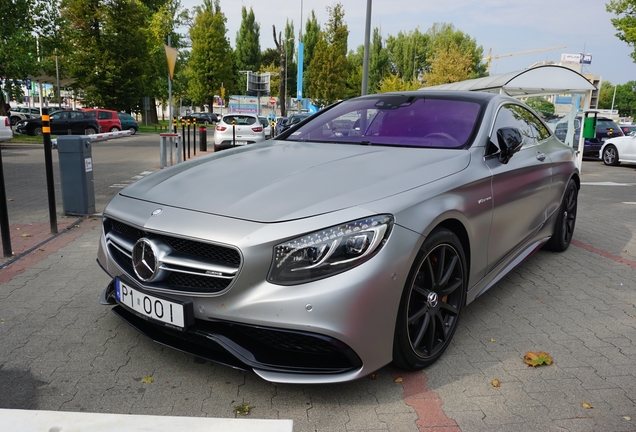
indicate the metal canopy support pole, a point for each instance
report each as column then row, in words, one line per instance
column 365, row 63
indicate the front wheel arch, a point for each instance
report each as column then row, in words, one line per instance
column 432, row 301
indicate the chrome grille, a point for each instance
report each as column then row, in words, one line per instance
column 191, row 266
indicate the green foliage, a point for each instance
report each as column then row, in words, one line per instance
column 541, row 105
column 625, row 100
column 445, row 38
column 329, row 65
column 407, row 53
column 625, row 21
column 22, row 22
column 310, row 39
column 247, row 55
column 211, row 62
column 393, row 83
column 111, row 55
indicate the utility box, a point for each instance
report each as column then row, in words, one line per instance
column 76, row 174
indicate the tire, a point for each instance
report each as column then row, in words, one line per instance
column 114, row 129
column 90, row 131
column 432, row 301
column 37, row 131
column 14, row 120
column 132, row 130
column 566, row 219
column 610, row 155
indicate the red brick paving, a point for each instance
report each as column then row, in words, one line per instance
column 26, row 236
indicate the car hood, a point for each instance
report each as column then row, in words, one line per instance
column 278, row 181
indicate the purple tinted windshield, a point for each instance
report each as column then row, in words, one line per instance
column 402, row 120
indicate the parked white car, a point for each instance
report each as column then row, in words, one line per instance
column 6, row 133
column 267, row 127
column 619, row 149
column 238, row 129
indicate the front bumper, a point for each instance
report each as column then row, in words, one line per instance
column 249, row 347
column 331, row 330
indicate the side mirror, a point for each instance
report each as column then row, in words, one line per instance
column 510, row 142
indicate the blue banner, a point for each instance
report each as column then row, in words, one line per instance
column 299, row 88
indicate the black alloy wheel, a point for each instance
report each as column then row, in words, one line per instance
column 432, row 302
column 37, row 131
column 566, row 220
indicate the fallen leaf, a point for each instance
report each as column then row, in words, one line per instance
column 41, row 249
column 538, row 359
column 147, row 380
column 586, row 405
column 398, row 380
column 373, row 376
column 18, row 229
column 242, row 409
column 495, row 382
column 492, row 340
column 25, row 235
column 627, row 418
column 11, row 199
column 624, row 250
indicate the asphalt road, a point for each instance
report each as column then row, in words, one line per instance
column 61, row 351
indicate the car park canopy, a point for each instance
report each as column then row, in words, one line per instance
column 536, row 81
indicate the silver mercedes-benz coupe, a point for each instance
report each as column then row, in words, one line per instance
column 354, row 239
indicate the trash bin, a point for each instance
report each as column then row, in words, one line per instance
column 76, row 174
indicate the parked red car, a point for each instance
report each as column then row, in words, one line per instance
column 107, row 119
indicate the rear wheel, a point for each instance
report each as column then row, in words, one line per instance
column 14, row 120
column 610, row 155
column 431, row 303
column 114, row 129
column 37, row 131
column 90, row 131
column 566, row 219
column 132, row 130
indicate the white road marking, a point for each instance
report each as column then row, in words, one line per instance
column 125, row 183
column 607, row 184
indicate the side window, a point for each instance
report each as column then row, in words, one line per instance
column 520, row 118
column 104, row 115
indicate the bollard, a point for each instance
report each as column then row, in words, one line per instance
column 194, row 135
column 233, row 132
column 203, row 138
column 174, row 124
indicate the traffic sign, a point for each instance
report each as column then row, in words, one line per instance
column 272, row 101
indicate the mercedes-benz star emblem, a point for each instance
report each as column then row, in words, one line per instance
column 144, row 260
column 432, row 299
column 156, row 212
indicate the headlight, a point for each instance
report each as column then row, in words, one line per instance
column 329, row 251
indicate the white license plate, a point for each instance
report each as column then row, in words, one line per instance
column 155, row 308
column 240, row 142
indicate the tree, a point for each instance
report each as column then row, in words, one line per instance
column 625, row 22
column 445, row 38
column 163, row 24
column 329, row 66
column 393, row 83
column 23, row 22
column 310, row 39
column 247, row 54
column 407, row 53
column 111, row 50
column 211, row 62
column 541, row 105
column 449, row 65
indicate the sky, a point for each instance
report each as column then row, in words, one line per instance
column 506, row 26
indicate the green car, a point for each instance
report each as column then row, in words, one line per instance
column 128, row 122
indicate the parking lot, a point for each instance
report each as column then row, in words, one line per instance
column 62, row 351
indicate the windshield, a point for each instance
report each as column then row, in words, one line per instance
column 395, row 120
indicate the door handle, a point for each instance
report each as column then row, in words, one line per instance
column 541, row 156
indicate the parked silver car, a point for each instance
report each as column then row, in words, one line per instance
column 327, row 253
column 237, row 130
